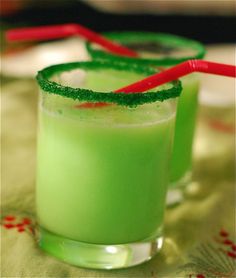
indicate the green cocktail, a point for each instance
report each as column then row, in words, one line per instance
column 165, row 50
column 102, row 172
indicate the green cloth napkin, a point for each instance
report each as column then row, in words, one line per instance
column 199, row 233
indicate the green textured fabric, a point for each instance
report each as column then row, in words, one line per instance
column 193, row 244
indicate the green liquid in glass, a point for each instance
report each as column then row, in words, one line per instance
column 103, row 172
column 102, row 183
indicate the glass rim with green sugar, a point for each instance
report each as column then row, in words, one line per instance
column 44, row 79
column 163, row 41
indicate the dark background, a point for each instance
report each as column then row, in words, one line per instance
column 207, row 29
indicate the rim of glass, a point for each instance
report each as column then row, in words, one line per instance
column 87, row 95
column 165, row 38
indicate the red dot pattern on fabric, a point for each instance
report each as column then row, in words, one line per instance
column 233, row 247
column 223, row 233
column 9, row 226
column 220, row 126
column 230, row 252
column 232, row 255
column 228, row 242
column 26, row 221
column 227, row 246
column 23, row 225
column 9, row 218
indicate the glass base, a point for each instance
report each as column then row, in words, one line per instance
column 98, row 256
column 175, row 194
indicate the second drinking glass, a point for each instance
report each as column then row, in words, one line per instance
column 165, row 50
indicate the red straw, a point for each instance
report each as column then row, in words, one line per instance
column 177, row 72
column 171, row 74
column 67, row 30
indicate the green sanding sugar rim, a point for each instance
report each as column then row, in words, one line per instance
column 81, row 94
column 137, row 37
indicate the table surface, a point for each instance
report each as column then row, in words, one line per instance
column 199, row 233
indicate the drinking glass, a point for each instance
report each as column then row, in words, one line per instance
column 103, row 168
column 163, row 51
